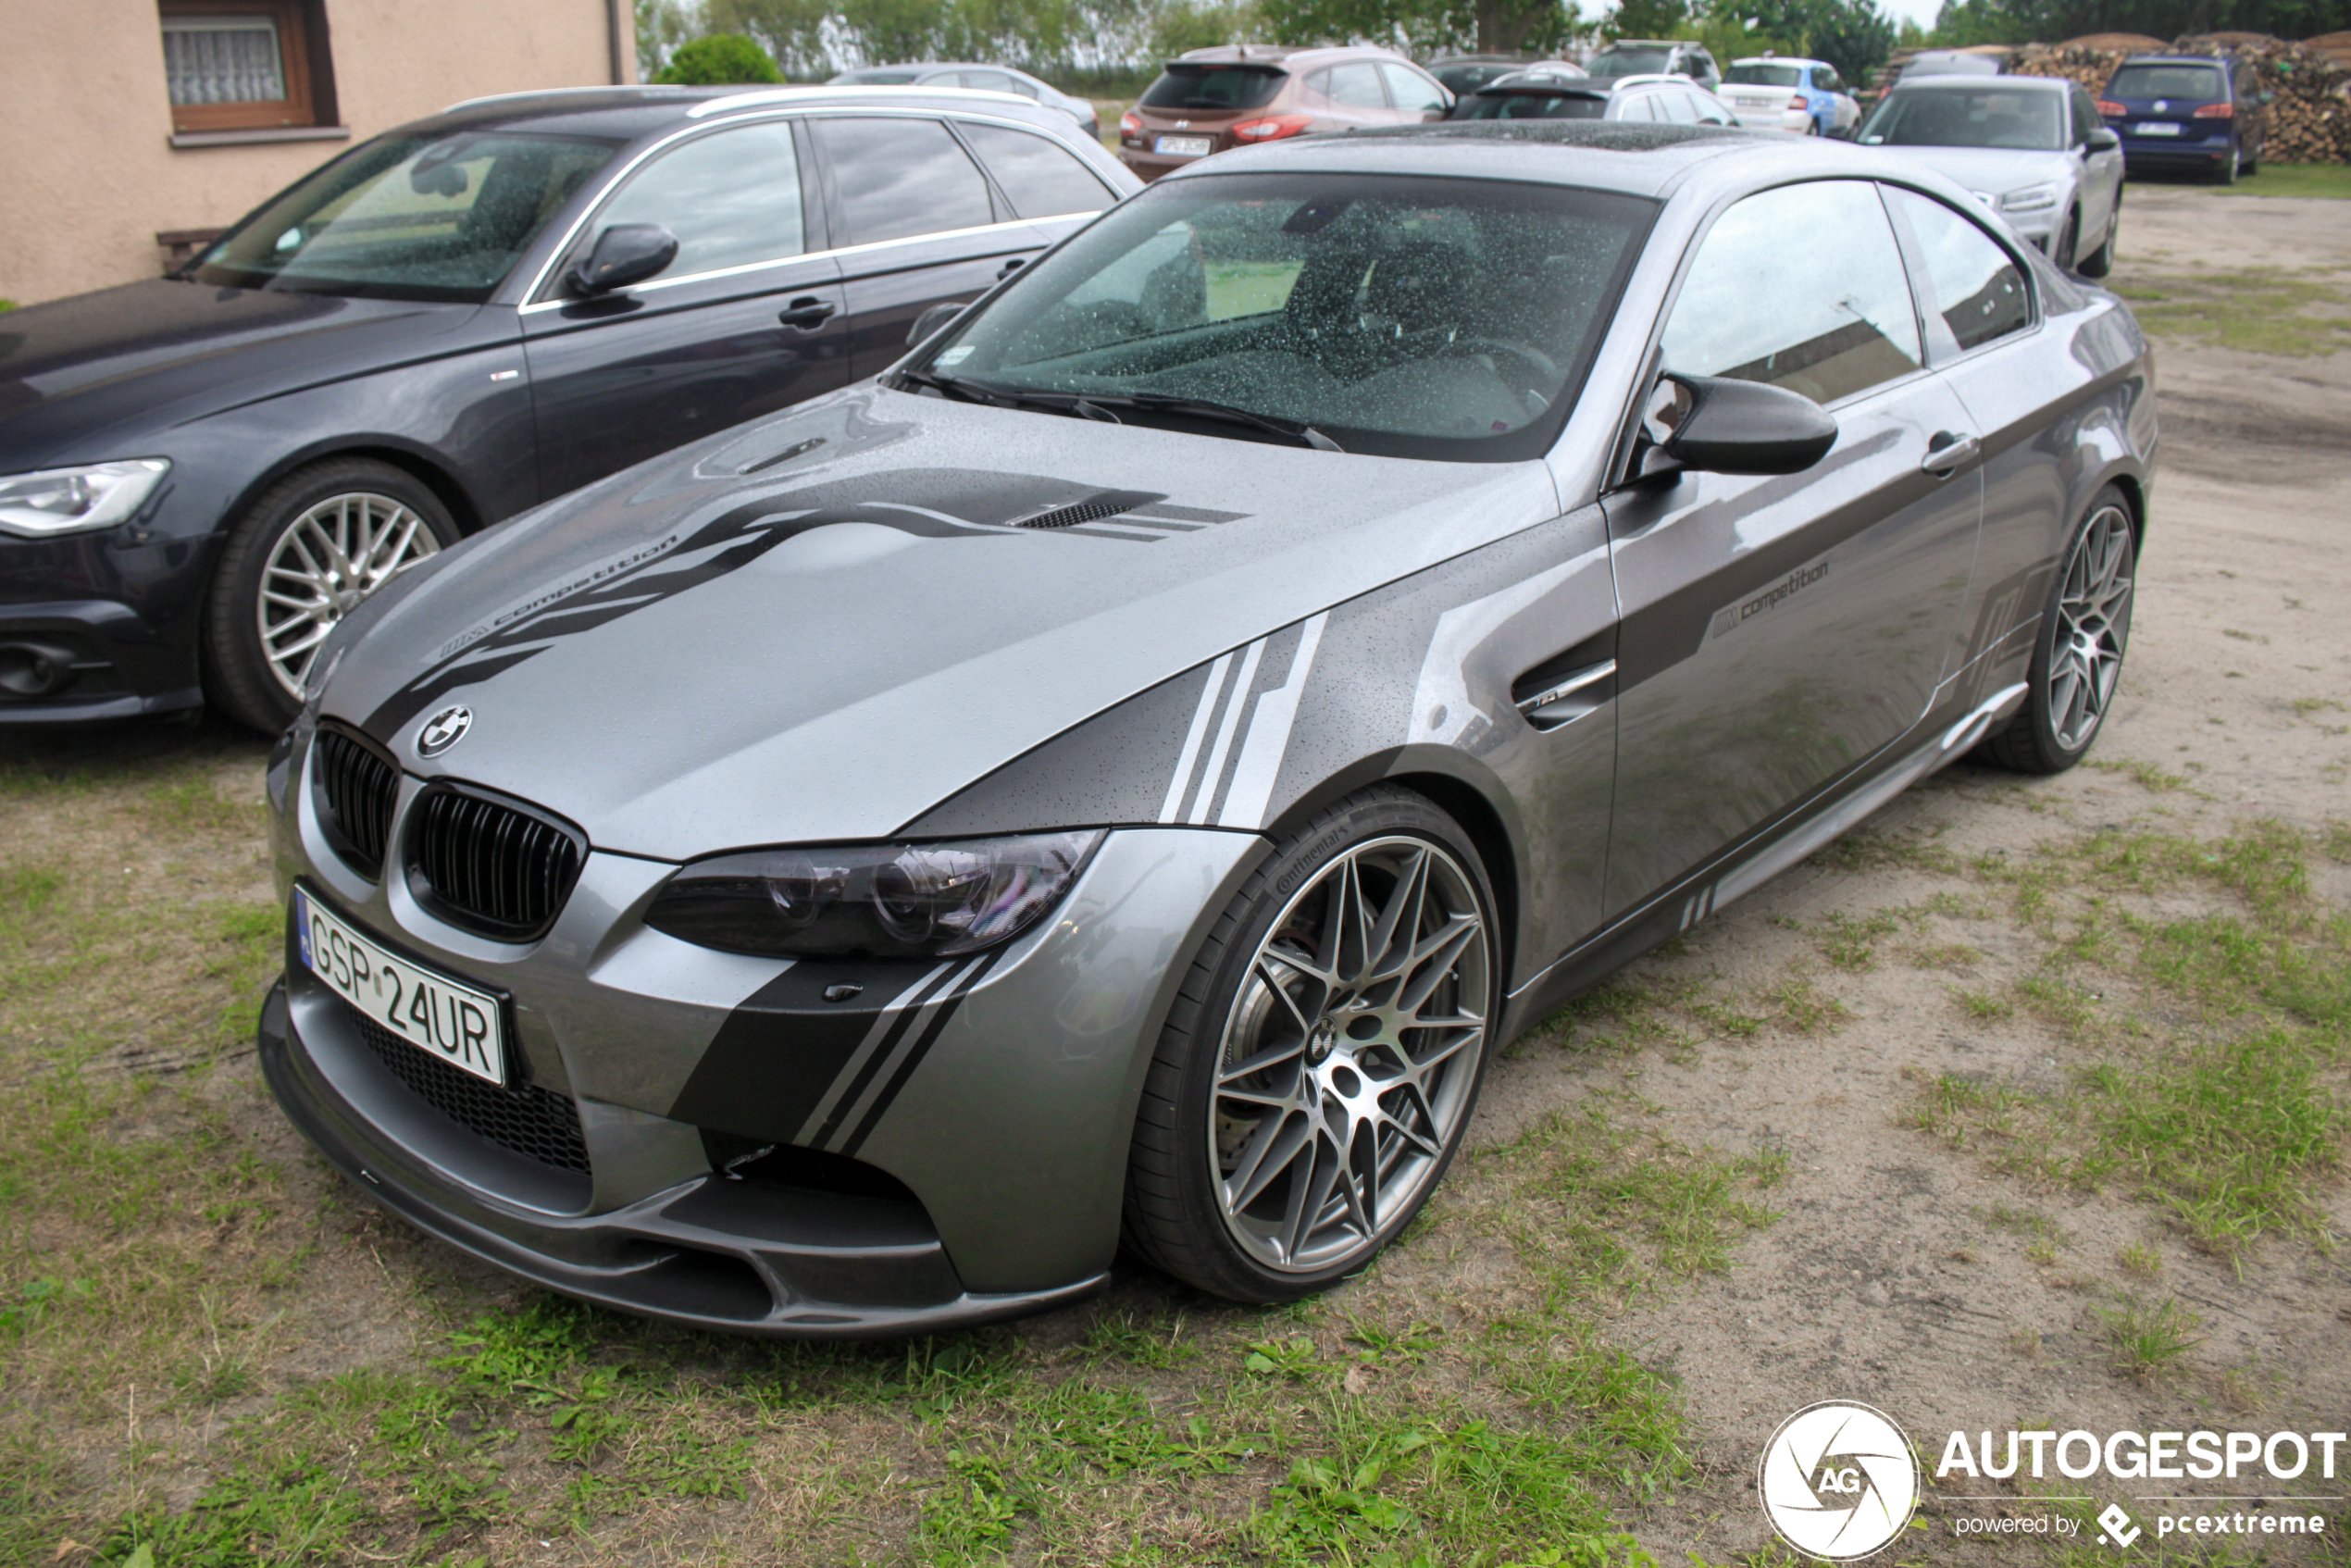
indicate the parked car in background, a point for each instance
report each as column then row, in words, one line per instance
column 201, row 475
column 1126, row 772
column 2185, row 112
column 1948, row 62
column 1651, row 56
column 1467, row 73
column 1779, row 94
column 979, row 78
column 1540, row 94
column 1239, row 95
column 2032, row 148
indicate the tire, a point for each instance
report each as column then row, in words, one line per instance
column 2227, row 173
column 2252, row 160
column 1302, row 1217
column 258, row 649
column 2069, row 241
column 2101, row 261
column 2077, row 658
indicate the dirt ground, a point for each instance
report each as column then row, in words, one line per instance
column 196, row 1318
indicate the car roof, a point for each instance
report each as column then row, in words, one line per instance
column 1650, row 79
column 627, row 113
column 2174, row 60
column 2028, row 83
column 1777, row 60
column 1651, row 43
column 1277, row 56
column 1635, row 157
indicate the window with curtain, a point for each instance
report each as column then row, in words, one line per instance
column 242, row 65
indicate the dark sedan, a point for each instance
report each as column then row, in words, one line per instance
column 200, row 476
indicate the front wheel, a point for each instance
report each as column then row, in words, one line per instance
column 302, row 557
column 2101, row 261
column 2077, row 659
column 1323, row 1057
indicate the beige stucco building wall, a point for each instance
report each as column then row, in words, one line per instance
column 88, row 176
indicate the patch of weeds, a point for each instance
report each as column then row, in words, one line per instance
column 1850, row 942
column 2304, row 707
column 1985, row 1007
column 2147, row 1338
column 2258, row 310
column 176, row 809
column 1867, row 849
column 1798, row 1004
column 1141, row 1340
column 1957, row 1109
column 2146, row 775
column 2138, row 1258
column 1726, row 1020
column 1943, row 955
column 1294, row 1358
column 35, row 1300
column 2025, row 1342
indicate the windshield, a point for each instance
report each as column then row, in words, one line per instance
column 1968, row 117
column 409, row 218
column 1753, row 74
column 1467, row 78
column 878, row 76
column 1620, row 61
column 2198, row 83
column 1405, row 317
column 1212, row 87
column 1506, row 103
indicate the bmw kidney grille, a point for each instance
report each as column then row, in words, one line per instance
column 356, row 790
column 493, row 866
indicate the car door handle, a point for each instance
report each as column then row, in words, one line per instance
column 1011, row 267
column 1948, row 451
column 807, row 313
column 1566, row 698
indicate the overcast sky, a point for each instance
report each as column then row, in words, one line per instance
column 1919, row 11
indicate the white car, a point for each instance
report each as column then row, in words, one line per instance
column 2034, row 149
column 973, row 74
column 1779, row 92
column 1547, row 93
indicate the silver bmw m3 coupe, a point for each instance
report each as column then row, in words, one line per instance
column 1119, row 776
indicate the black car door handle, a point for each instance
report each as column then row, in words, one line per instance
column 1947, row 451
column 807, row 313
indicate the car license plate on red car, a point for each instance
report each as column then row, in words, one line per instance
column 447, row 1018
column 1185, row 146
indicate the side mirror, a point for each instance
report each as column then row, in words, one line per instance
column 1716, row 425
column 934, row 320
column 2102, row 141
column 625, row 253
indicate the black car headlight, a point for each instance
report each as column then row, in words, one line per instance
column 872, row 900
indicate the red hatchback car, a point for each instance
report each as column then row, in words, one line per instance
column 1237, row 95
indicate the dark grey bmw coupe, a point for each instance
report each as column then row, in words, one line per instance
column 1121, row 775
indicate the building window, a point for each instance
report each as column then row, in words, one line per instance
column 244, row 65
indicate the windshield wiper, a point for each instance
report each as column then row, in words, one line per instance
column 1168, row 403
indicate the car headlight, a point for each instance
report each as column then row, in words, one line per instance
column 2032, row 198
column 95, row 495
column 872, row 900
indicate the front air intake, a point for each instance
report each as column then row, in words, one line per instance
column 356, row 787
column 491, row 865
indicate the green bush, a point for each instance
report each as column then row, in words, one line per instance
column 727, row 57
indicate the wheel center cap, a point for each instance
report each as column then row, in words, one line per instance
column 1319, row 1041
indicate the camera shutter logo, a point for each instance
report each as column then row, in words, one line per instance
column 1838, row 1480
column 444, row 730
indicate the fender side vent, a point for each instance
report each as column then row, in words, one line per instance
column 1093, row 509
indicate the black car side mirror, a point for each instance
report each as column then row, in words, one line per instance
column 1717, row 425
column 625, row 253
column 933, row 320
column 2102, row 141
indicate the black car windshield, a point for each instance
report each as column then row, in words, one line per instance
column 434, row 217
column 1628, row 62
column 1403, row 315
column 1759, row 73
column 2196, row 83
column 1969, row 117
column 1471, row 76
column 1519, row 103
column 1214, row 87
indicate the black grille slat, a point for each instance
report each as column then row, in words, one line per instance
column 491, row 866
column 526, row 1118
column 357, row 789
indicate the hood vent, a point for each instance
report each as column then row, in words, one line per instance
column 491, row 865
column 356, row 787
column 1109, row 503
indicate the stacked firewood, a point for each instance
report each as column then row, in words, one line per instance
column 2309, row 113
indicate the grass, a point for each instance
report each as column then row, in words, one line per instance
column 2320, row 179
column 2150, row 1338
column 2259, row 310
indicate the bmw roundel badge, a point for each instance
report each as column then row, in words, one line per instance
column 444, row 730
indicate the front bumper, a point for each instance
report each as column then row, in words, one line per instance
column 81, row 660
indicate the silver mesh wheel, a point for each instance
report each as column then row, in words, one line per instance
column 2093, row 624
column 328, row 559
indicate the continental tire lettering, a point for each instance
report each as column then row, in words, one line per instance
column 1286, row 883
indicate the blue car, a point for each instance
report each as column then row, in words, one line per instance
column 2196, row 114
column 1776, row 92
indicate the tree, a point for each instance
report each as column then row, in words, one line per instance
column 724, row 57
column 1426, row 27
column 792, row 30
column 662, row 25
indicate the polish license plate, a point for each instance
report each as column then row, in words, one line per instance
column 2157, row 128
column 1185, row 146
column 446, row 1019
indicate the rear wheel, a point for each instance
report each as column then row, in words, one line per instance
column 2077, row 659
column 1323, row 1057
column 2231, row 166
column 2069, row 240
column 2101, row 261
column 302, row 556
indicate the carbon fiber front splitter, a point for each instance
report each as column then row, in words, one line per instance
column 708, row 1253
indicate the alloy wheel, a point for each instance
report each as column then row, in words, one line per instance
column 1351, row 1054
column 328, row 559
column 2093, row 624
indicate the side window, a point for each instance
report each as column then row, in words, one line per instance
column 1825, row 79
column 1041, row 179
column 1414, row 93
column 1355, row 86
column 1679, row 107
column 1710, row 112
column 989, row 81
column 1825, row 321
column 2085, row 115
column 731, row 198
column 1977, row 292
column 900, row 177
